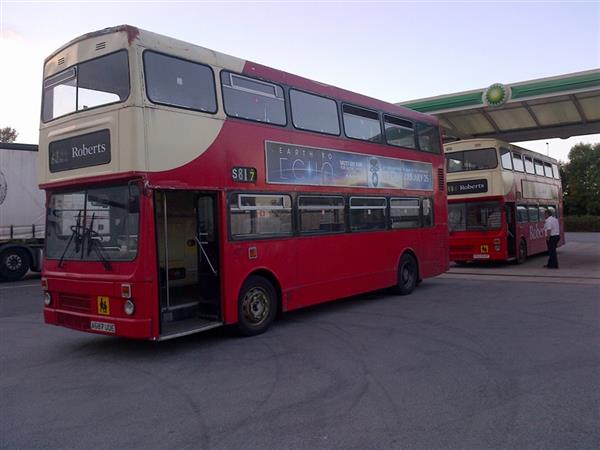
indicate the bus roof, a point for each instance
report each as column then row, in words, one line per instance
column 474, row 144
column 148, row 39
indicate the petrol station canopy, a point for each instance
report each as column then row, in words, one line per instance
column 554, row 107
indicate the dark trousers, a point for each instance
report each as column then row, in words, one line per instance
column 552, row 259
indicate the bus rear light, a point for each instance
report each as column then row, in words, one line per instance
column 497, row 244
column 129, row 307
column 44, row 283
column 126, row 290
column 47, row 298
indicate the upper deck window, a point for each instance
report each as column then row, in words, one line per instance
column 429, row 137
column 87, row 85
column 251, row 99
column 177, row 82
column 399, row 132
column 518, row 162
column 506, row 159
column 548, row 169
column 529, row 165
column 314, row 113
column 555, row 171
column 360, row 123
column 539, row 167
column 479, row 159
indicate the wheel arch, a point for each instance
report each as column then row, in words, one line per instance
column 272, row 278
column 411, row 252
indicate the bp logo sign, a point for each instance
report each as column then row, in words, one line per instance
column 496, row 95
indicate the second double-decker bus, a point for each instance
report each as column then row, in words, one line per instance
column 497, row 197
column 188, row 189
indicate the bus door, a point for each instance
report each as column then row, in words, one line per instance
column 511, row 229
column 187, row 244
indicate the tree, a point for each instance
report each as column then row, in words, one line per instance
column 581, row 183
column 8, row 134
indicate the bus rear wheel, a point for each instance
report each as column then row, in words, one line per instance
column 257, row 306
column 522, row 252
column 14, row 263
column 408, row 274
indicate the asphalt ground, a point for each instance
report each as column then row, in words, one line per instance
column 467, row 361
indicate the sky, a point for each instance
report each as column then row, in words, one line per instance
column 393, row 50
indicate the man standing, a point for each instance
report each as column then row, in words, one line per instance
column 552, row 231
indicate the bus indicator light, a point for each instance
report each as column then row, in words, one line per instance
column 126, row 290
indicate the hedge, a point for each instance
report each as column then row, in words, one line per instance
column 582, row 223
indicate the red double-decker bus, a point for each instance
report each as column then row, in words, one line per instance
column 188, row 189
column 498, row 194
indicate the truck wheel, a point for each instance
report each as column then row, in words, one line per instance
column 14, row 263
column 408, row 274
column 257, row 306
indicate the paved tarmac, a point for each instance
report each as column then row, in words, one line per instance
column 464, row 363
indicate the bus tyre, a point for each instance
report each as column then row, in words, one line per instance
column 257, row 306
column 522, row 252
column 14, row 263
column 408, row 275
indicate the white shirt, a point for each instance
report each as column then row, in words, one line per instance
column 551, row 224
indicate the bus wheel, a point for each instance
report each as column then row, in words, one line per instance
column 407, row 275
column 14, row 263
column 522, row 252
column 257, row 306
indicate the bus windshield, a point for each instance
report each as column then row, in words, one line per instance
column 90, row 84
column 479, row 159
column 99, row 224
column 474, row 216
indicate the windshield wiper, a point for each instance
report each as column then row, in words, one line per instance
column 93, row 243
column 74, row 233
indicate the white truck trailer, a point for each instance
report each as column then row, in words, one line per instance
column 22, row 212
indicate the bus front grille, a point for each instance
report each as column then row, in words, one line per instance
column 75, row 303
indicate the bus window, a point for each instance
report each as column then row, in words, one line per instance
column 314, row 113
column 542, row 214
column 399, row 132
column 250, row 99
column 533, row 213
column 548, row 170
column 404, row 213
column 518, row 162
column 321, row 214
column 260, row 215
column 90, row 84
column 539, row 167
column 480, row 159
column 177, row 82
column 427, row 209
column 429, row 137
column 522, row 214
column 529, row 165
column 553, row 211
column 474, row 216
column 367, row 213
column 360, row 123
column 506, row 159
column 555, row 171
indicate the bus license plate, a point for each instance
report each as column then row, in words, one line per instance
column 477, row 256
column 103, row 326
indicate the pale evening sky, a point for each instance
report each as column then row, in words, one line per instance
column 391, row 50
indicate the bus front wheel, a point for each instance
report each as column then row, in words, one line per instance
column 408, row 274
column 257, row 306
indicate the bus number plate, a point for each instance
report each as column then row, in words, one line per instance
column 103, row 326
column 243, row 174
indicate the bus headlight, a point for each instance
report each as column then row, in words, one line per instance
column 129, row 307
column 47, row 298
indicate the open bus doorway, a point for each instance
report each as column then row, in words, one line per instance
column 188, row 261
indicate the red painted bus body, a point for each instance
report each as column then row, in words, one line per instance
column 185, row 254
column 496, row 210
